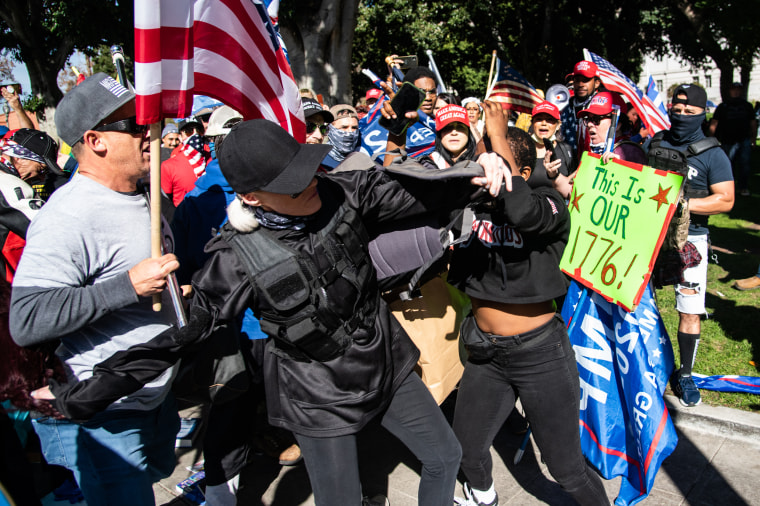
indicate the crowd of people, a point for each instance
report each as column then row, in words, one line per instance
column 271, row 241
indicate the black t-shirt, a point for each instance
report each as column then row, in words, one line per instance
column 734, row 117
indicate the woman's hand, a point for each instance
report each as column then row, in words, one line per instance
column 609, row 155
column 552, row 167
column 564, row 184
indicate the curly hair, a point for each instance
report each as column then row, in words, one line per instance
column 25, row 369
column 522, row 147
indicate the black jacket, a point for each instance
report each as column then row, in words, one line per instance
column 514, row 251
column 320, row 399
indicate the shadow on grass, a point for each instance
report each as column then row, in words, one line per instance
column 739, row 322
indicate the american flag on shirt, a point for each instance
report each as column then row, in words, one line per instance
column 512, row 90
column 614, row 80
column 226, row 49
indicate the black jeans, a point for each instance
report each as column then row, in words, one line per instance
column 540, row 368
column 417, row 421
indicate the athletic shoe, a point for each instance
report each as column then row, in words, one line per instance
column 469, row 498
column 378, row 500
column 687, row 391
column 747, row 284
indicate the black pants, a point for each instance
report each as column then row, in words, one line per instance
column 540, row 368
column 416, row 420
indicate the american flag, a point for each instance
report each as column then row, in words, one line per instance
column 226, row 49
column 655, row 97
column 614, row 80
column 512, row 90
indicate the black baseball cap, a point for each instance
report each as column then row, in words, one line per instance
column 89, row 103
column 695, row 95
column 41, row 144
column 259, row 155
column 311, row 108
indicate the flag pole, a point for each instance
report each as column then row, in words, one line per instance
column 490, row 73
column 155, row 199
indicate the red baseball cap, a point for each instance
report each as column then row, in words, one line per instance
column 374, row 93
column 450, row 114
column 546, row 107
column 600, row 105
column 585, row 68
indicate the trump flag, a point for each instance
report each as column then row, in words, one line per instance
column 624, row 362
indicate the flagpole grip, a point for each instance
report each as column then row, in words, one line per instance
column 490, row 73
column 155, row 199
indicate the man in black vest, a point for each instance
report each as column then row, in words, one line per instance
column 710, row 188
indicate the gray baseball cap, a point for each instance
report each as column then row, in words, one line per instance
column 89, row 103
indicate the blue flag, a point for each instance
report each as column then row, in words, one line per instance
column 420, row 137
column 728, row 383
column 624, row 362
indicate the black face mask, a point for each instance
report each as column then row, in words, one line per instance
column 686, row 127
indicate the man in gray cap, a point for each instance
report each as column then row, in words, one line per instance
column 86, row 279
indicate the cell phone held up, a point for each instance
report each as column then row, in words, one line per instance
column 550, row 147
column 407, row 99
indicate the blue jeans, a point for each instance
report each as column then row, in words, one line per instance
column 539, row 367
column 417, row 421
column 116, row 456
column 739, row 154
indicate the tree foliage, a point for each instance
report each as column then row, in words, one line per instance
column 541, row 39
column 726, row 31
column 44, row 33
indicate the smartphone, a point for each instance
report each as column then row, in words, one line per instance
column 550, row 147
column 408, row 62
column 408, row 98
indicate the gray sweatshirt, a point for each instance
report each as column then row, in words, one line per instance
column 72, row 282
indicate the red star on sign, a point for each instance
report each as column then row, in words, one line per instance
column 576, row 198
column 662, row 196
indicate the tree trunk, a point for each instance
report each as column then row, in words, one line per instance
column 711, row 46
column 319, row 40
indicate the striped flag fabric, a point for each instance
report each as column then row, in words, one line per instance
column 655, row 97
column 614, row 80
column 225, row 49
column 512, row 90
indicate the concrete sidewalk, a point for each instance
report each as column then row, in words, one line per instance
column 715, row 463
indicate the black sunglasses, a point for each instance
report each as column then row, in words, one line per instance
column 594, row 119
column 310, row 127
column 128, row 125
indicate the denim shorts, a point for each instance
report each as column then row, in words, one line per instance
column 694, row 278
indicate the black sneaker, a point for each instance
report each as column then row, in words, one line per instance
column 469, row 498
column 687, row 391
column 377, row 500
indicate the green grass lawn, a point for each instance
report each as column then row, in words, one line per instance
column 731, row 334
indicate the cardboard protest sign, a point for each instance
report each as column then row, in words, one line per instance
column 619, row 214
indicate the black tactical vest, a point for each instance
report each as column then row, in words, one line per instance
column 311, row 312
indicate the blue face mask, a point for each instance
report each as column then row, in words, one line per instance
column 684, row 127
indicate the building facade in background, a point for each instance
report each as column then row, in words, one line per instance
column 668, row 71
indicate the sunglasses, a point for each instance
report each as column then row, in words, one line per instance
column 594, row 119
column 128, row 126
column 310, row 127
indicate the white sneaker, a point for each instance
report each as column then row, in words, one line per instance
column 469, row 498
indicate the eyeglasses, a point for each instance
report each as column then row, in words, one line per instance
column 310, row 127
column 430, row 93
column 128, row 126
column 594, row 119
